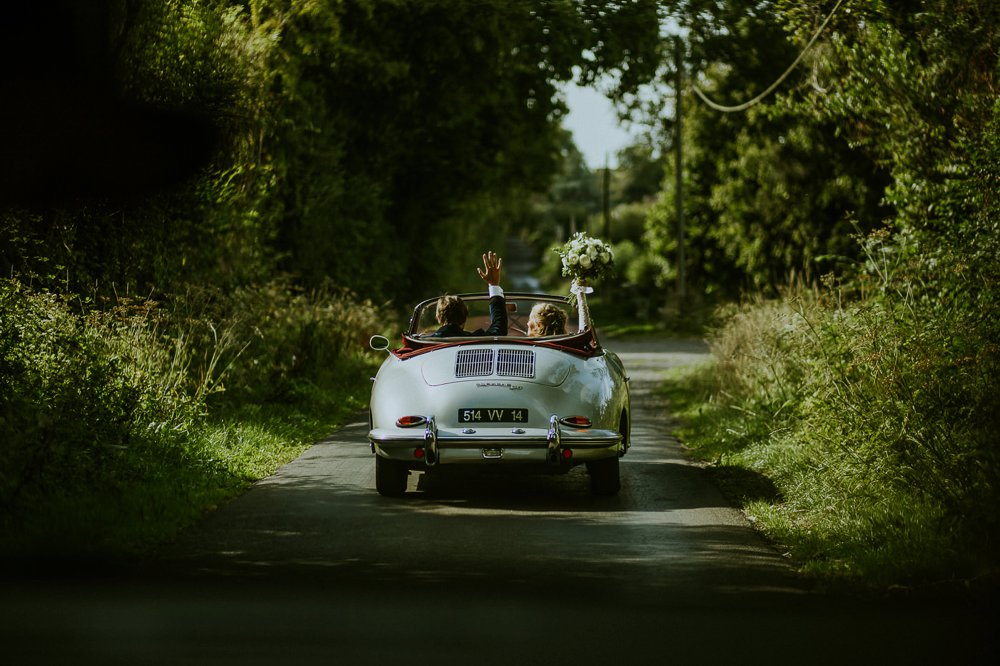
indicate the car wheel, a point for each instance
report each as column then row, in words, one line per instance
column 390, row 477
column 604, row 478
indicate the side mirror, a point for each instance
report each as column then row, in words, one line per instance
column 379, row 343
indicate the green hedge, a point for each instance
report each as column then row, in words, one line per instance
column 119, row 424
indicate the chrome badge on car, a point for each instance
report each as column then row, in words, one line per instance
column 506, row 385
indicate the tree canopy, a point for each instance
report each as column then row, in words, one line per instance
column 363, row 142
column 889, row 119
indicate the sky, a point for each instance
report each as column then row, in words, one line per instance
column 595, row 127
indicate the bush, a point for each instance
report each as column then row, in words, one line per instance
column 112, row 427
column 875, row 419
column 84, row 398
column 299, row 338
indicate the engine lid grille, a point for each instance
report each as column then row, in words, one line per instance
column 516, row 363
column 487, row 362
column 474, row 363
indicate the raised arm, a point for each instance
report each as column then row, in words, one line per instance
column 490, row 272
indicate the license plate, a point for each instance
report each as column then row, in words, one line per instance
column 493, row 415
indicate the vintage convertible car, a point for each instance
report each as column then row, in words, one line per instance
column 551, row 402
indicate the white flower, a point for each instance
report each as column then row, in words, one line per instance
column 586, row 258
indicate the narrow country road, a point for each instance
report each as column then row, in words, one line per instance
column 313, row 566
column 667, row 530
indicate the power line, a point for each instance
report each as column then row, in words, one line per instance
column 770, row 89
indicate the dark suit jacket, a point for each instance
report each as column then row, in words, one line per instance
column 498, row 323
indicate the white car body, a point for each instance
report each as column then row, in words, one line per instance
column 553, row 402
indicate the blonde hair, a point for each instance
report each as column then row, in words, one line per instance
column 548, row 319
column 451, row 310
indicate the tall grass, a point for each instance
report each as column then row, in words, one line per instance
column 874, row 416
column 118, row 424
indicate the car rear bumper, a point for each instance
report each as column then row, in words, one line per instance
column 557, row 445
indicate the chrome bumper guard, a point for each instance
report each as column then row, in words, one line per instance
column 430, row 442
column 554, row 442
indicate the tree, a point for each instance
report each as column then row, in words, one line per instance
column 339, row 135
column 768, row 192
column 438, row 110
column 916, row 91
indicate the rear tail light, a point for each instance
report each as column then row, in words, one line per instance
column 410, row 421
column 575, row 421
column 567, row 454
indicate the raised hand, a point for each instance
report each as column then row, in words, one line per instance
column 491, row 268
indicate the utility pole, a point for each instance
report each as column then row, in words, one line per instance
column 606, row 189
column 679, row 172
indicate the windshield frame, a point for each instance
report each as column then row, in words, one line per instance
column 519, row 304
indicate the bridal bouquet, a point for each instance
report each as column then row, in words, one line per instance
column 585, row 258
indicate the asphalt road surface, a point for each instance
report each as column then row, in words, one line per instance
column 313, row 566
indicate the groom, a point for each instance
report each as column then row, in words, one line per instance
column 452, row 312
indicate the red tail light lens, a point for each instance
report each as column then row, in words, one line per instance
column 576, row 421
column 410, row 421
column 567, row 454
column 418, row 454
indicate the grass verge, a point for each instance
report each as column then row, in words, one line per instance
column 120, row 425
column 798, row 434
column 136, row 511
